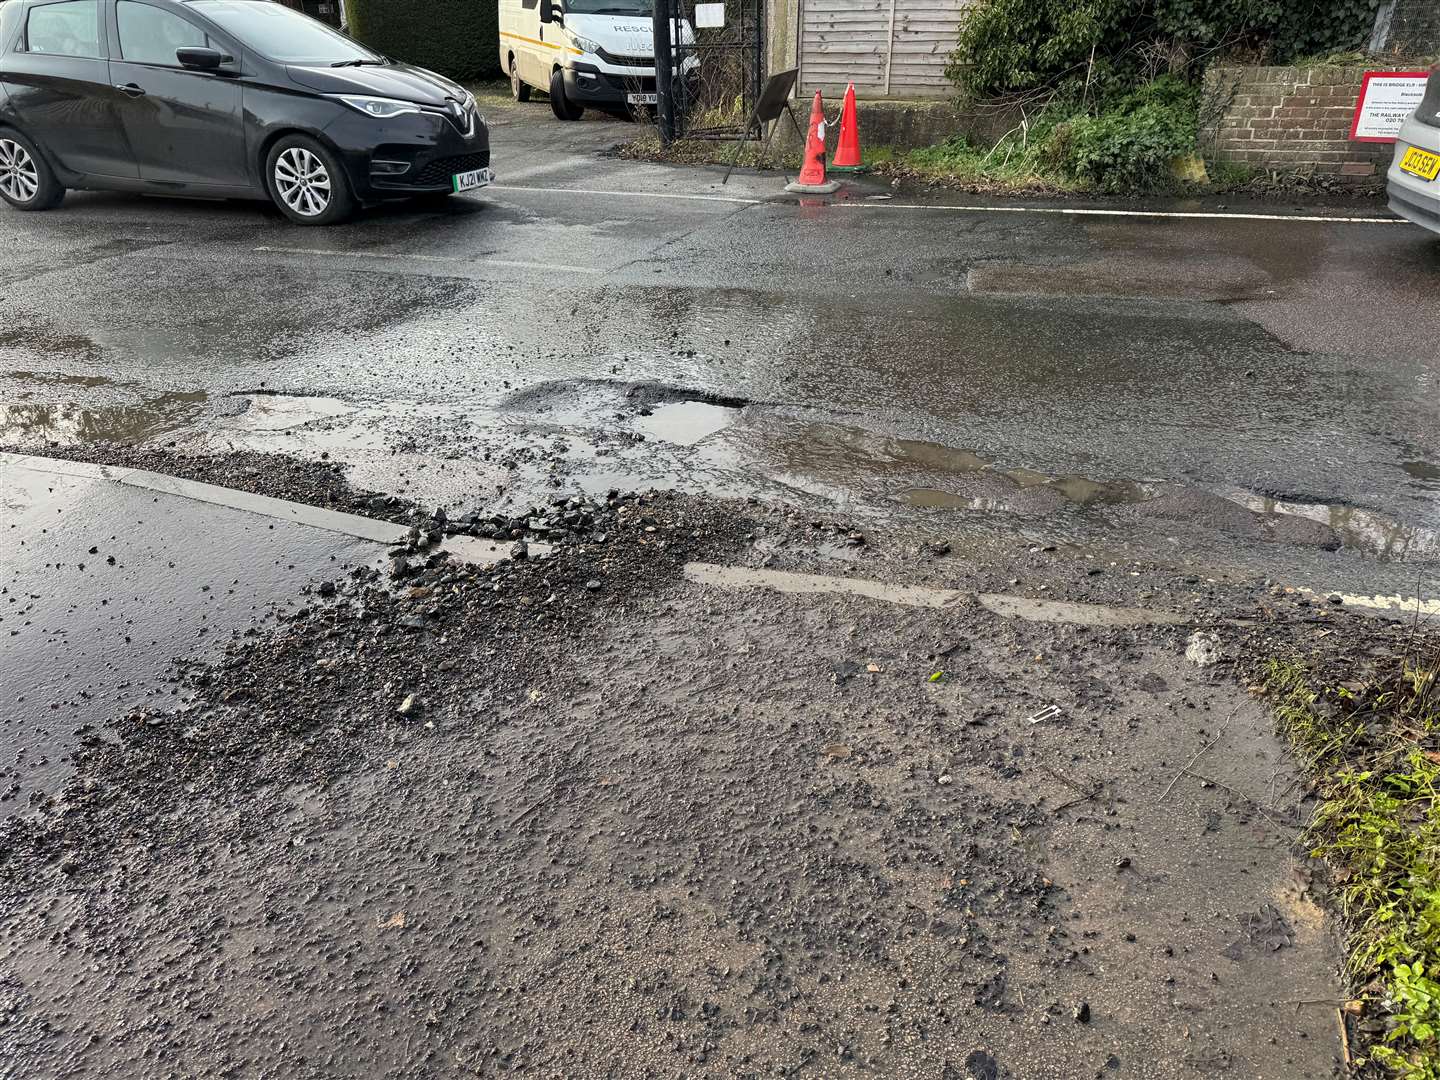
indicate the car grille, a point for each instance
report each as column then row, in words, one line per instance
column 627, row 61
column 441, row 169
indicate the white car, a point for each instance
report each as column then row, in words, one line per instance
column 1413, row 182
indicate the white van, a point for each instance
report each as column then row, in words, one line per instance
column 599, row 53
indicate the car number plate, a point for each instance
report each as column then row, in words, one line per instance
column 1421, row 163
column 640, row 99
column 469, row 181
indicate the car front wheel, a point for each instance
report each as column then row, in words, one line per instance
column 563, row 107
column 26, row 180
column 307, row 183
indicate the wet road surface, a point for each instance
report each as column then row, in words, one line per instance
column 1052, row 374
column 412, row 826
column 104, row 586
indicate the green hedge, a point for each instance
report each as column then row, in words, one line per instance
column 1009, row 46
column 458, row 38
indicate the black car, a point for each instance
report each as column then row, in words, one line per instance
column 222, row 98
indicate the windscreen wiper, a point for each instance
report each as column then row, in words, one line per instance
column 360, row 63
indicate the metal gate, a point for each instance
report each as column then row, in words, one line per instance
column 719, row 70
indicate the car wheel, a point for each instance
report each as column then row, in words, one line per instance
column 26, row 180
column 564, row 108
column 520, row 91
column 307, row 183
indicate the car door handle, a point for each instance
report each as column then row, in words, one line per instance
column 131, row 90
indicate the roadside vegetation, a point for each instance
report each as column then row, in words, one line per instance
column 1372, row 748
column 1108, row 97
column 1099, row 97
column 1145, row 139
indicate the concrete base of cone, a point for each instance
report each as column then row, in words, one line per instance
column 827, row 188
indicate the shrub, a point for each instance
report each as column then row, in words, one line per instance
column 458, row 38
column 1129, row 145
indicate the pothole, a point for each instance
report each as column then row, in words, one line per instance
column 279, row 412
column 686, row 422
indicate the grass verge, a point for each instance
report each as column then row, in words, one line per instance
column 1371, row 749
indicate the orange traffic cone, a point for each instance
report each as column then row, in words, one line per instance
column 812, row 174
column 847, row 151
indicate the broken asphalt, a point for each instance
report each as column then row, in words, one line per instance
column 870, row 747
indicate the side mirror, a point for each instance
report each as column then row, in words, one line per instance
column 547, row 11
column 200, row 59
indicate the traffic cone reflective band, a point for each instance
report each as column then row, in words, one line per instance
column 847, row 151
column 812, row 174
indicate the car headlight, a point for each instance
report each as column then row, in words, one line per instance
column 584, row 44
column 379, row 107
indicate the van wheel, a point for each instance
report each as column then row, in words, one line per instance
column 307, row 182
column 518, row 90
column 564, row 108
column 26, row 181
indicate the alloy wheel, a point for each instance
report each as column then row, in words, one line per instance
column 302, row 181
column 19, row 176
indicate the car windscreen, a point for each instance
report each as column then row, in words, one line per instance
column 643, row 8
column 282, row 34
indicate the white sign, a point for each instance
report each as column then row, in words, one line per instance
column 1386, row 99
column 709, row 15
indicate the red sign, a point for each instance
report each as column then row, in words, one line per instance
column 1386, row 99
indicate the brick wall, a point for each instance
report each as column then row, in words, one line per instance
column 1291, row 119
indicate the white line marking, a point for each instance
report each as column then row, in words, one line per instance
column 462, row 548
column 1390, row 605
column 633, row 194
column 1213, row 215
column 923, row 596
column 449, row 259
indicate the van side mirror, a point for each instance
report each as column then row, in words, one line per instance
column 547, row 11
column 200, row 59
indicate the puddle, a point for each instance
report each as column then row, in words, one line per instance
column 938, row 456
column 1427, row 473
column 47, row 343
column 68, row 424
column 686, row 423
column 1359, row 530
column 88, row 381
column 1079, row 490
column 934, row 499
column 279, row 412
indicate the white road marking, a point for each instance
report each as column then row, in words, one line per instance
column 462, row 548
column 449, row 259
column 1075, row 211
column 634, row 194
column 923, row 596
column 1389, row 605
